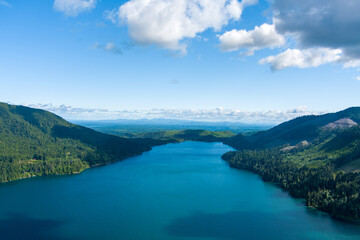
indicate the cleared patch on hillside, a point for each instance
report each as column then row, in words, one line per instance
column 341, row 123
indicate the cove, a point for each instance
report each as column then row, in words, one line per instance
column 176, row 191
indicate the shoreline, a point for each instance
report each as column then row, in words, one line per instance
column 75, row 173
column 104, row 164
column 339, row 218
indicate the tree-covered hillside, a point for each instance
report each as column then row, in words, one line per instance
column 294, row 131
column 323, row 168
column 34, row 142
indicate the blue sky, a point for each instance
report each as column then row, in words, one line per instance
column 94, row 55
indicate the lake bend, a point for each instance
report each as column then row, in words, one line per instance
column 176, row 191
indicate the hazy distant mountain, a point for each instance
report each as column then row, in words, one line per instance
column 122, row 127
column 164, row 121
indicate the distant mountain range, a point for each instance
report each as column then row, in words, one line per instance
column 121, row 127
column 163, row 121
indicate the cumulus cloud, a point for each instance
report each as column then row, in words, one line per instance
column 330, row 24
column 350, row 63
column 74, row 7
column 5, row 3
column 166, row 23
column 108, row 47
column 264, row 36
column 312, row 57
column 217, row 114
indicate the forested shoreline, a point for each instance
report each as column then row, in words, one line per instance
column 35, row 142
column 312, row 157
column 315, row 173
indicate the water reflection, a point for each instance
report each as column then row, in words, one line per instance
column 258, row 225
column 230, row 226
column 17, row 226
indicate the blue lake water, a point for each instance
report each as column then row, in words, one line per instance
column 176, row 191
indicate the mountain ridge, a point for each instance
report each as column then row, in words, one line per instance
column 293, row 131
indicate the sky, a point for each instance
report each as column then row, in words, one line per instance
column 247, row 61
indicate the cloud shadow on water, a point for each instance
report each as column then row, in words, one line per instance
column 238, row 225
column 19, row 226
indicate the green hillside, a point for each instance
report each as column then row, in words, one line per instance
column 313, row 157
column 34, row 142
column 294, row 131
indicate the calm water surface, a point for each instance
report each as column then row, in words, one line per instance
column 177, row 191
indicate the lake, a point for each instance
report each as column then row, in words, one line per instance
column 176, row 191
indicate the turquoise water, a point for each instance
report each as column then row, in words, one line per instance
column 177, row 191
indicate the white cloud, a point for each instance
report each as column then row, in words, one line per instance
column 330, row 24
column 5, row 3
column 217, row 114
column 351, row 63
column 108, row 47
column 167, row 22
column 358, row 78
column 312, row 57
column 264, row 36
column 74, row 7
column 321, row 32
